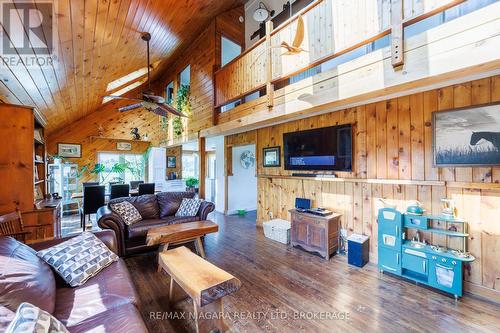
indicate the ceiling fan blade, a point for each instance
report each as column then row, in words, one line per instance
column 172, row 110
column 159, row 111
column 154, row 98
column 130, row 107
column 124, row 98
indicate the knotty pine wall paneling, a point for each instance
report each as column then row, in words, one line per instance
column 393, row 160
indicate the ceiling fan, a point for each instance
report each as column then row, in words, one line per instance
column 148, row 100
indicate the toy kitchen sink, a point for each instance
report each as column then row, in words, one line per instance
column 432, row 265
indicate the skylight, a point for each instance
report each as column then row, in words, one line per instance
column 125, row 89
column 130, row 77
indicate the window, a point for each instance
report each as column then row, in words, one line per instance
column 189, row 164
column 446, row 16
column 185, row 76
column 229, row 50
column 121, row 167
column 170, row 92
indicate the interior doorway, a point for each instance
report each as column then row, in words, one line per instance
column 214, row 181
column 242, row 181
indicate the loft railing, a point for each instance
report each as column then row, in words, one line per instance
column 332, row 28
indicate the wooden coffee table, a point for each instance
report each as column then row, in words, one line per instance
column 181, row 233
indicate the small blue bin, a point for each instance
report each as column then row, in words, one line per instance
column 358, row 253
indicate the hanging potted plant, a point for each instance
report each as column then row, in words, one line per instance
column 183, row 106
column 191, row 184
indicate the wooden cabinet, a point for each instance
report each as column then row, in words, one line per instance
column 313, row 233
column 23, row 171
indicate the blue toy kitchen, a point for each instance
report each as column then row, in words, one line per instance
column 414, row 259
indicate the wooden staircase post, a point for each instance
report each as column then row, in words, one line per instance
column 397, row 33
column 269, row 65
column 202, row 167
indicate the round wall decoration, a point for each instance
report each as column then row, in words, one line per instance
column 247, row 159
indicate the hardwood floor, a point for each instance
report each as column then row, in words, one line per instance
column 280, row 283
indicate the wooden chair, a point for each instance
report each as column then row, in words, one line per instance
column 12, row 225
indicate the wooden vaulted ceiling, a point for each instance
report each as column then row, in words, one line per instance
column 99, row 42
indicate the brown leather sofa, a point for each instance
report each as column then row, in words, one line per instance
column 156, row 210
column 106, row 303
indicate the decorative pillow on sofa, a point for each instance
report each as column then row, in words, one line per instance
column 146, row 204
column 30, row 319
column 189, row 207
column 127, row 212
column 169, row 202
column 79, row 258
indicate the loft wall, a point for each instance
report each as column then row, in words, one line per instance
column 393, row 145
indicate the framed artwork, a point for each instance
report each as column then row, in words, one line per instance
column 271, row 157
column 171, row 161
column 69, row 150
column 468, row 136
column 123, row 146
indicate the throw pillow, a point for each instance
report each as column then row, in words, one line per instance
column 169, row 202
column 189, row 207
column 127, row 212
column 30, row 319
column 78, row 259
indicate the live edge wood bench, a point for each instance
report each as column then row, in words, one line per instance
column 205, row 283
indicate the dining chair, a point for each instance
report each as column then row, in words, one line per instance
column 12, row 225
column 134, row 184
column 93, row 199
column 146, row 188
column 119, row 191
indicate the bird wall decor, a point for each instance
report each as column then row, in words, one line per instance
column 295, row 48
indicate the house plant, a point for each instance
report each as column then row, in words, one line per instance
column 191, row 184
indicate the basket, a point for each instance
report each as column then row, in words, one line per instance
column 278, row 230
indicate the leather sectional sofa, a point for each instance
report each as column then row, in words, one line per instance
column 156, row 210
column 107, row 302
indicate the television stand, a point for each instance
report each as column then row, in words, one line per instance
column 314, row 233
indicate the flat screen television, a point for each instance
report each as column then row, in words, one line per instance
column 327, row 148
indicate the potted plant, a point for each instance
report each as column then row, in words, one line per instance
column 191, row 184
